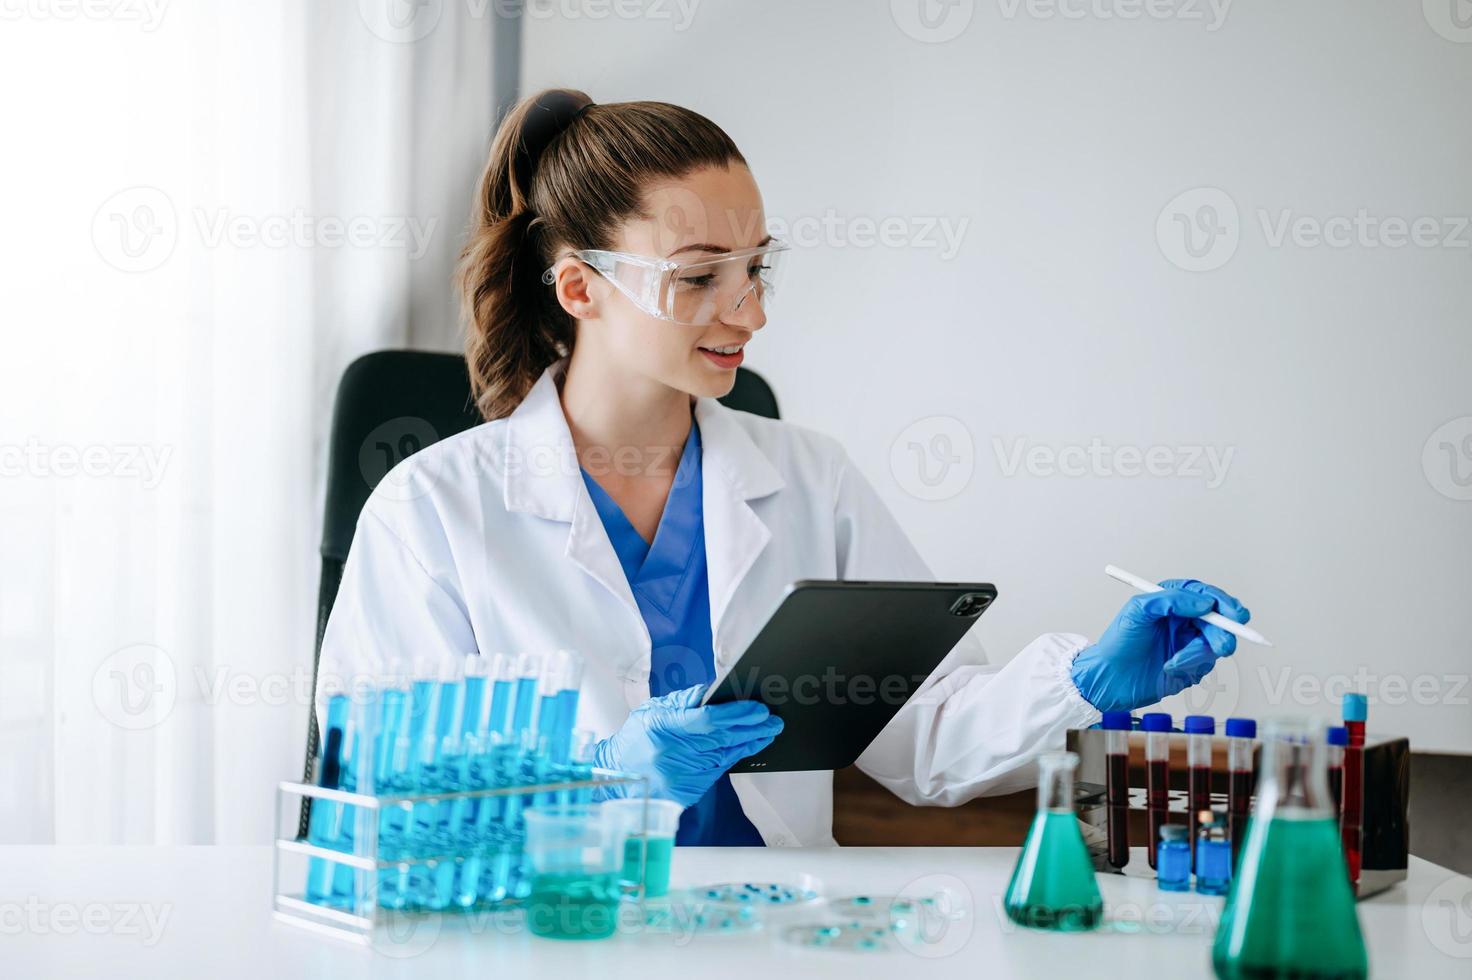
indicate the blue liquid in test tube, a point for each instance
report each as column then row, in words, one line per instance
column 326, row 819
column 350, row 886
column 528, row 673
column 391, row 776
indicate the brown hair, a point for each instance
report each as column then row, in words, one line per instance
column 587, row 181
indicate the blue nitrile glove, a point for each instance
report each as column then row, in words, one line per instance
column 1156, row 647
column 682, row 746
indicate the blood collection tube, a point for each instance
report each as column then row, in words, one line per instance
column 1116, row 725
column 1356, row 710
column 1156, row 725
column 1240, row 735
column 1338, row 739
column 1199, row 729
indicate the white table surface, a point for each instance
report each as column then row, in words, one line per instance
column 206, row 912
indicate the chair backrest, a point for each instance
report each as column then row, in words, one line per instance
column 391, row 404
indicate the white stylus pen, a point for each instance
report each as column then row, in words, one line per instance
column 1214, row 618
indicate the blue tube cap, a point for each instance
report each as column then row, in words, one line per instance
column 1116, row 721
column 1338, row 735
column 1200, row 725
column 1241, row 728
column 1155, row 721
column 1356, row 707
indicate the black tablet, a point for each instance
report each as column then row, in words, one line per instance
column 838, row 659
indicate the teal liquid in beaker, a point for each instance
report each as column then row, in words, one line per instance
column 1290, row 911
column 573, row 905
column 1053, row 885
column 658, row 856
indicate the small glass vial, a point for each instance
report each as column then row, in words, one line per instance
column 1213, row 853
column 1173, row 859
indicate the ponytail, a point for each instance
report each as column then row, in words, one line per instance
column 563, row 173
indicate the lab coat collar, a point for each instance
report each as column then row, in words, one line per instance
column 543, row 478
column 541, row 463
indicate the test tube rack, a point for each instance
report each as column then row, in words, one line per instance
column 1384, row 834
column 359, row 918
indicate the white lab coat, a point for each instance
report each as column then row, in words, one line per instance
column 488, row 541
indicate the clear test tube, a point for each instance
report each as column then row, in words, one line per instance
column 1338, row 738
column 1199, row 730
column 1116, row 725
column 326, row 818
column 567, row 696
column 1241, row 733
column 1156, row 725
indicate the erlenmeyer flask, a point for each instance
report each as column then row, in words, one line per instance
column 1053, row 885
column 1290, row 910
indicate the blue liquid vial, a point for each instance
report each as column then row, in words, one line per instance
column 1173, row 859
column 1213, row 853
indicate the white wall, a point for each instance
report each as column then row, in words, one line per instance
column 1062, row 318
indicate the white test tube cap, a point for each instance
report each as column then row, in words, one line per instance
column 477, row 665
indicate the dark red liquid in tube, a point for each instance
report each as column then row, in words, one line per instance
column 1157, row 800
column 1353, row 797
column 1239, row 802
column 1200, row 799
column 1118, row 790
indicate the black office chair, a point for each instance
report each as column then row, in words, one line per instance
column 391, row 404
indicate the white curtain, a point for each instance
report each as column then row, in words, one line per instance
column 218, row 206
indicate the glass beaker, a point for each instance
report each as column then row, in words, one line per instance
column 1053, row 885
column 1290, row 910
column 645, row 831
column 575, row 865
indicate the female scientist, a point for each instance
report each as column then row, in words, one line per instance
column 617, row 266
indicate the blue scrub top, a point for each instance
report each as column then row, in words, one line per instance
column 671, row 586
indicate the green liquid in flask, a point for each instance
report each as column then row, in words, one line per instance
column 1053, row 885
column 1290, row 911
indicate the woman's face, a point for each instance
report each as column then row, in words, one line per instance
column 703, row 215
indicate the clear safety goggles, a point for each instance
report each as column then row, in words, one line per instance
column 697, row 292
